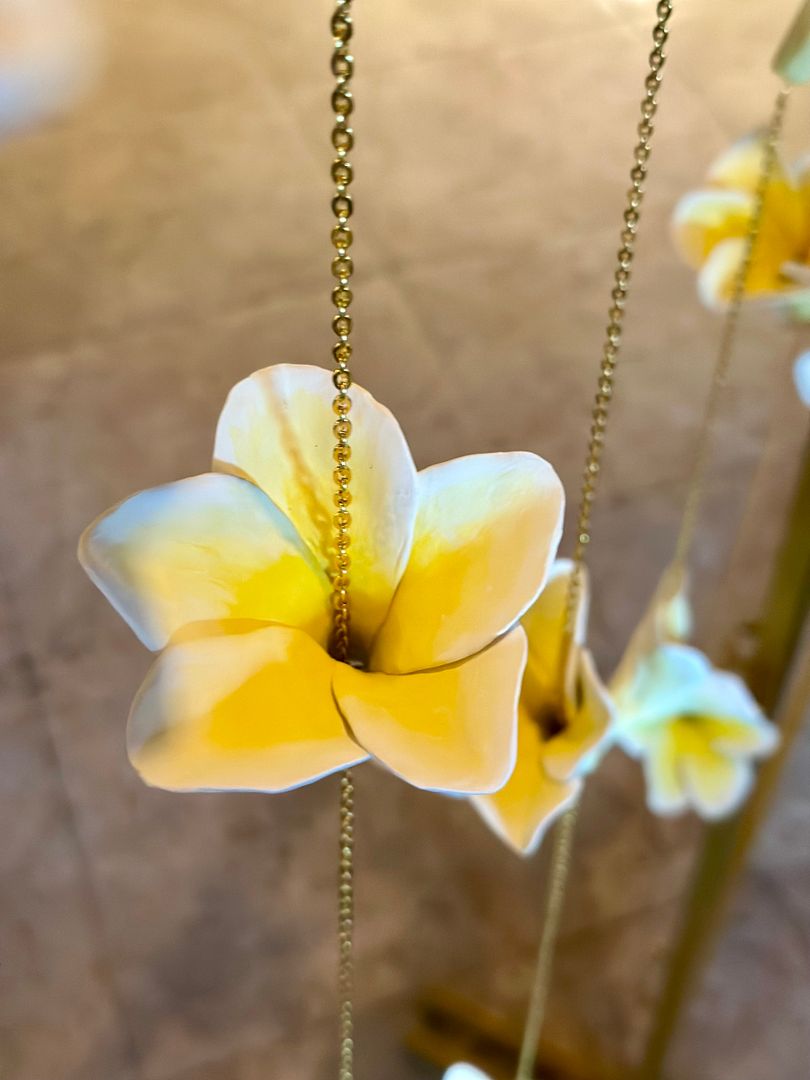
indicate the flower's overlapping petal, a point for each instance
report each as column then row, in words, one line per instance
column 276, row 430
column 531, row 800
column 462, row 1071
column 246, row 711
column 212, row 547
column 544, row 624
column 662, row 685
column 583, row 701
column 766, row 275
column 579, row 746
column 703, row 219
column 487, row 530
column 738, row 168
column 450, row 729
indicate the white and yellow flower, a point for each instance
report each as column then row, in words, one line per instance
column 226, row 574
column 801, row 377
column 696, row 729
column 709, row 227
column 462, row 1071
column 564, row 716
column 48, row 55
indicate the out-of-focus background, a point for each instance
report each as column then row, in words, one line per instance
column 167, row 235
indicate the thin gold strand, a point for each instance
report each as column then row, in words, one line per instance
column 342, row 269
column 565, row 831
column 697, row 480
column 560, row 866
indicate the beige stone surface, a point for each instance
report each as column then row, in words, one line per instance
column 169, row 237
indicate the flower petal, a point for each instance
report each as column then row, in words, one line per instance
column 666, row 793
column 276, row 429
column 242, row 712
column 703, row 219
column 801, row 377
column 463, row 1071
column 452, row 729
column 739, row 167
column 487, row 530
column 574, row 750
column 530, row 801
column 663, row 686
column 717, row 785
column 783, row 234
column 667, row 619
column 208, row 548
column 544, row 624
column 766, row 278
column 792, row 59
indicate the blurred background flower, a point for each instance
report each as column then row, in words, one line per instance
column 48, row 57
column 709, row 228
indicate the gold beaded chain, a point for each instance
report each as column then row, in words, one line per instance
column 565, row 831
column 728, row 337
column 342, row 269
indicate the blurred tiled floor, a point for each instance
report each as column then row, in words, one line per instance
column 172, row 236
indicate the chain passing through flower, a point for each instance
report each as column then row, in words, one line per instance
column 342, row 269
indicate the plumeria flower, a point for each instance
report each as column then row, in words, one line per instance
column 462, row 1071
column 47, row 58
column 225, row 574
column 564, row 716
column 696, row 729
column 709, row 228
column 801, row 377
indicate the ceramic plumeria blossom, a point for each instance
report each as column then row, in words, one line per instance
column 564, row 716
column 709, row 228
column 462, row 1071
column 48, row 56
column 225, row 574
column 696, row 729
column 801, row 377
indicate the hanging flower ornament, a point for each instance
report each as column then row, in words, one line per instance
column 801, row 377
column 225, row 574
column 48, row 58
column 462, row 1071
column 709, row 228
column 696, row 729
column 564, row 716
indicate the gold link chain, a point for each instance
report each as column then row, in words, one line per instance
column 697, row 480
column 342, row 269
column 621, row 287
column 565, row 831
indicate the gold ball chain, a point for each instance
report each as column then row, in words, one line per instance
column 342, row 269
column 621, row 285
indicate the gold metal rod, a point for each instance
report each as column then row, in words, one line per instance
column 565, row 830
